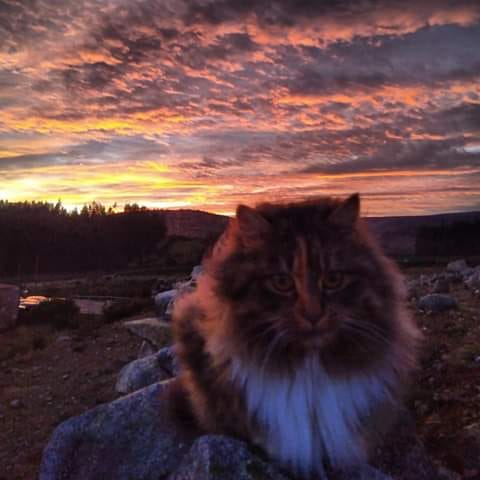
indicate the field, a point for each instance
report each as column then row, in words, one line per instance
column 47, row 376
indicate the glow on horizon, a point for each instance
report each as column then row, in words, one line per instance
column 190, row 104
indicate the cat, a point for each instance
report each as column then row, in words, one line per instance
column 297, row 338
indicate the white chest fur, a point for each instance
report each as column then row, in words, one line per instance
column 309, row 416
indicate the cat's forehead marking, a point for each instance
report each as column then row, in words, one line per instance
column 308, row 255
column 300, row 259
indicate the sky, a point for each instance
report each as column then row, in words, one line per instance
column 205, row 104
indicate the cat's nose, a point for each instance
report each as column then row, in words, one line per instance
column 313, row 312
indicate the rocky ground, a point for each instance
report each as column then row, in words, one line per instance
column 40, row 388
column 70, row 372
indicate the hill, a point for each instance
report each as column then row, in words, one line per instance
column 396, row 234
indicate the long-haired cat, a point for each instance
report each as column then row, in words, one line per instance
column 297, row 338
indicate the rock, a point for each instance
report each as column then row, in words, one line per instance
column 473, row 281
column 63, row 338
column 363, row 472
column 441, row 285
column 163, row 300
column 136, row 437
column 196, row 272
column 9, row 301
column 16, row 403
column 131, row 438
column 146, row 371
column 437, row 302
column 152, row 329
column 167, row 358
column 216, row 457
column 458, row 266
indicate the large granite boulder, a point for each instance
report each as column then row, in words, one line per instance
column 216, row 457
column 151, row 329
column 9, row 300
column 138, row 437
column 131, row 438
column 146, row 371
column 163, row 301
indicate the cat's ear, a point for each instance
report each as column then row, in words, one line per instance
column 347, row 213
column 253, row 227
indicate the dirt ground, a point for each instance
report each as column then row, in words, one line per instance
column 56, row 375
column 42, row 387
column 445, row 395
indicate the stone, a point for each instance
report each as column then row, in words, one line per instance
column 196, row 272
column 152, row 329
column 458, row 266
column 437, row 302
column 16, row 403
column 137, row 437
column 63, row 338
column 9, row 301
column 216, row 457
column 363, row 472
column 163, row 300
column 146, row 371
column 473, row 281
column 133, row 437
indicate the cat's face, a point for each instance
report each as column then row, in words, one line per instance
column 303, row 278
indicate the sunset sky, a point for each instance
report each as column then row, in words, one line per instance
column 204, row 104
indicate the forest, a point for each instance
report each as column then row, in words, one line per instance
column 45, row 238
column 457, row 239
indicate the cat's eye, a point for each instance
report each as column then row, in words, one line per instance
column 281, row 283
column 333, row 280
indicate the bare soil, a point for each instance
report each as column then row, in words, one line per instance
column 42, row 387
column 57, row 375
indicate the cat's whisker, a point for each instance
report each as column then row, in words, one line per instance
column 363, row 329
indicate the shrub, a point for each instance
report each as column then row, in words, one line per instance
column 125, row 308
column 60, row 313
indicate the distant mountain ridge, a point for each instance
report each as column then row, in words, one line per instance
column 396, row 234
column 194, row 223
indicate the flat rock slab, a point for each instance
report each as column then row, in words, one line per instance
column 147, row 370
column 216, row 457
column 130, row 438
column 152, row 329
column 138, row 438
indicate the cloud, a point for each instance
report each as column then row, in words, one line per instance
column 240, row 93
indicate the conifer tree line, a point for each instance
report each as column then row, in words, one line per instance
column 41, row 237
column 455, row 239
